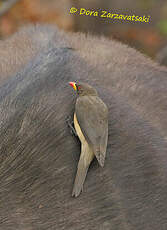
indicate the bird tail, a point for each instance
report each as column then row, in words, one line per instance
column 80, row 178
column 86, row 157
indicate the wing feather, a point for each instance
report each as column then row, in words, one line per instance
column 92, row 116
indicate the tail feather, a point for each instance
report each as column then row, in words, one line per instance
column 86, row 158
column 80, row 178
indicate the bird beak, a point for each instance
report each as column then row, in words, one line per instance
column 73, row 84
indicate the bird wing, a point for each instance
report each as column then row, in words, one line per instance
column 92, row 116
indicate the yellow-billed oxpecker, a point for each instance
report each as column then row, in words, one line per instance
column 91, row 125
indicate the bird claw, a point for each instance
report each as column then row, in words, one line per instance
column 71, row 126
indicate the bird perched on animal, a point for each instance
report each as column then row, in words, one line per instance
column 91, row 125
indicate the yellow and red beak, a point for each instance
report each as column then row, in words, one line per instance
column 73, row 84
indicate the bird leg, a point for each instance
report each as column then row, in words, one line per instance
column 71, row 126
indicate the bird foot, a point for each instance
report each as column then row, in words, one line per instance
column 71, row 126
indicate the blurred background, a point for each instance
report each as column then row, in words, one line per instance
column 148, row 38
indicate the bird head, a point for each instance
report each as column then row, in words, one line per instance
column 83, row 89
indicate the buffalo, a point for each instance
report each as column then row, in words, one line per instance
column 38, row 154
